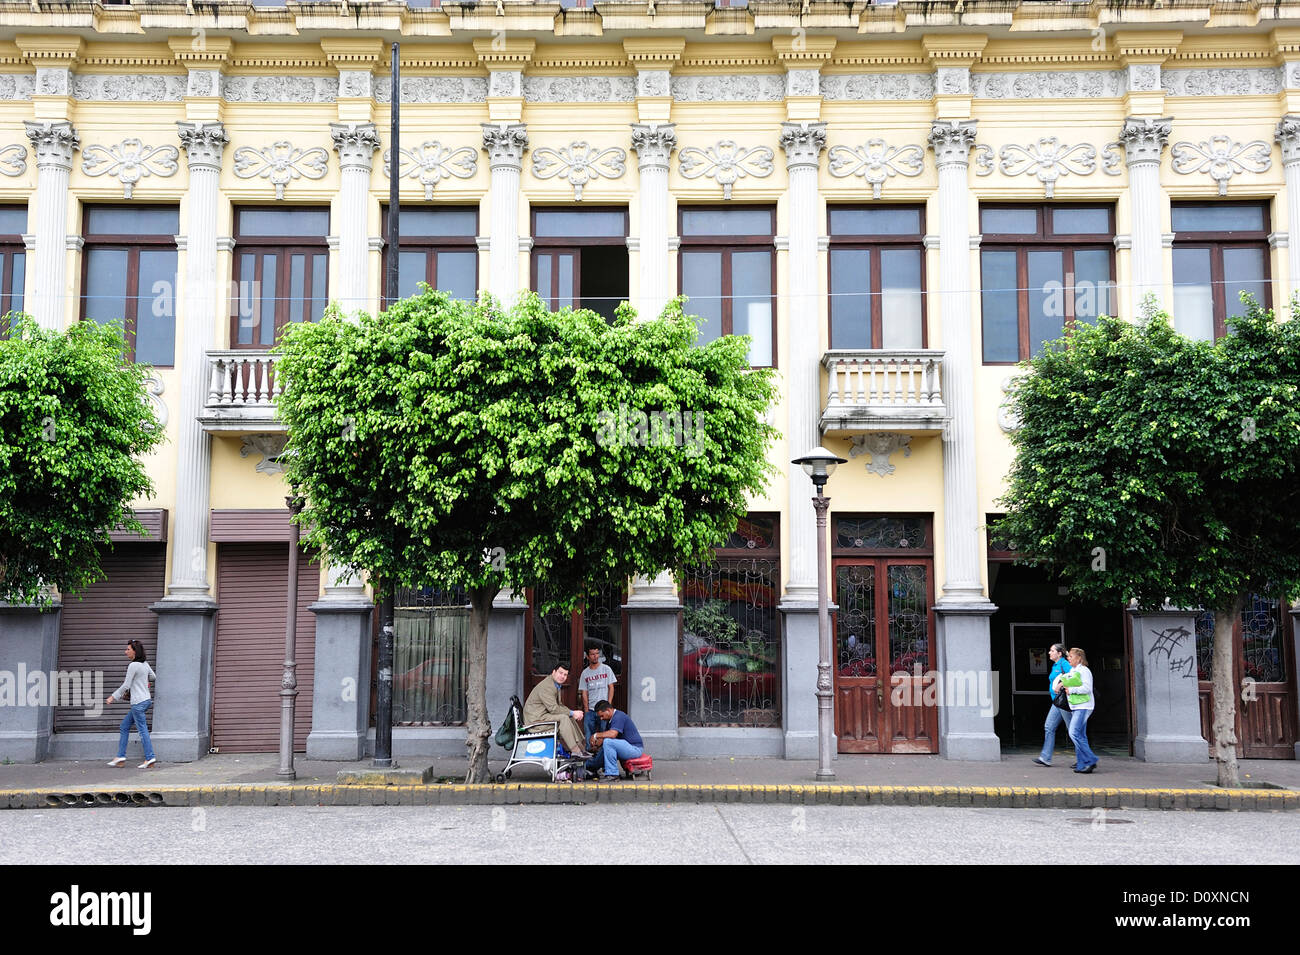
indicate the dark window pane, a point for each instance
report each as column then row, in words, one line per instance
column 136, row 220
column 998, row 303
column 286, row 221
column 297, row 289
column 1072, row 220
column 319, row 273
column 411, row 271
column 564, row 282
column 727, row 221
column 878, row 220
column 266, row 332
column 1244, row 270
column 246, row 301
column 751, row 287
column 1009, row 221
column 155, row 315
column 1046, row 298
column 850, row 298
column 1092, row 287
column 900, row 279
column 20, row 276
column 1217, row 217
column 544, row 277
column 566, row 223
column 881, row 533
column 458, row 274
column 105, row 292
column 1193, row 296
column 13, row 220
column 450, row 221
column 702, row 286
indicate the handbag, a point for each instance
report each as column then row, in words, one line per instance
column 1062, row 699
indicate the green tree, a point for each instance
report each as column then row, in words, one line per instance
column 73, row 429
column 1152, row 467
column 449, row 443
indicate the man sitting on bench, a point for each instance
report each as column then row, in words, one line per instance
column 620, row 741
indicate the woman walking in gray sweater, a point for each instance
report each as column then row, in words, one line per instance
column 137, row 679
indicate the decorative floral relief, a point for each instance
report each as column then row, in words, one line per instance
column 954, row 80
column 136, row 87
column 1112, row 157
column 1221, row 158
column 280, row 89
column 153, row 389
column 1292, row 75
column 1242, row 82
column 880, row 445
column 1049, row 84
column 654, row 83
column 281, row 162
column 129, row 161
column 435, row 89
column 53, row 81
column 15, row 86
column 728, row 89
column 433, row 162
column 579, row 89
column 579, row 163
column 268, row 447
column 725, row 162
column 1048, row 159
column 872, row 86
column 1143, row 77
column 983, row 159
column 1008, row 420
column 875, row 162
column 13, row 160
column 801, row 82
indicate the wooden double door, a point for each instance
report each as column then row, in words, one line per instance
column 884, row 637
column 555, row 638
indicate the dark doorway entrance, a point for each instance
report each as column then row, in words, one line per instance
column 580, row 258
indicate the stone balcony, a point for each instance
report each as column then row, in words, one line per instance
column 241, row 392
column 883, row 390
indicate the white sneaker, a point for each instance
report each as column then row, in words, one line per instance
column 147, row 763
column 119, row 761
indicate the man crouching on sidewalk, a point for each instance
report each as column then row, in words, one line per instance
column 620, row 741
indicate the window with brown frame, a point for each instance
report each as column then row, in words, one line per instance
column 439, row 246
column 129, row 276
column 281, row 267
column 1042, row 269
column 13, row 262
column 877, row 272
column 727, row 271
column 1220, row 251
column 580, row 258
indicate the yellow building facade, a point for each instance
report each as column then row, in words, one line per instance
column 897, row 202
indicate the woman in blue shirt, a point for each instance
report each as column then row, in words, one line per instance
column 1055, row 715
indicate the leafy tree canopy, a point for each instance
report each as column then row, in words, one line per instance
column 1150, row 466
column 456, row 443
column 73, row 429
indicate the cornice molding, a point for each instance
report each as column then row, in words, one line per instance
column 958, row 50
column 51, row 50
column 504, row 53
column 1159, row 44
column 649, row 52
column 213, row 49
column 353, row 52
column 803, row 51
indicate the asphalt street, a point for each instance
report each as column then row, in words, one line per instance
column 672, row 833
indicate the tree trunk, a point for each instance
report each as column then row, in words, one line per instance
column 478, row 724
column 1223, row 696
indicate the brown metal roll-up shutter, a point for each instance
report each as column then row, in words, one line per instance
column 249, row 653
column 96, row 627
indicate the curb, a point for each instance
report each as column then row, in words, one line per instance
column 991, row 797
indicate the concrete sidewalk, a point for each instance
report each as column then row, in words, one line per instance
column 250, row 779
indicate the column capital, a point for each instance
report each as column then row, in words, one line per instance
column 803, row 143
column 505, row 144
column 356, row 144
column 951, row 140
column 1287, row 136
column 54, row 142
column 654, row 143
column 203, row 143
column 1144, row 138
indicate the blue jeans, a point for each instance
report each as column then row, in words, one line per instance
column 590, row 724
column 616, row 749
column 1055, row 717
column 1083, row 754
column 135, row 715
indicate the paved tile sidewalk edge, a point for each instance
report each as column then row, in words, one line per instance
column 1002, row 797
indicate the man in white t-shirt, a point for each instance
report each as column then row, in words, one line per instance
column 595, row 683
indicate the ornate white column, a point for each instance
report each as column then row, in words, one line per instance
column 54, row 143
column 1144, row 139
column 505, row 144
column 951, row 141
column 1288, row 137
column 204, row 143
column 803, row 143
column 653, row 143
column 356, row 144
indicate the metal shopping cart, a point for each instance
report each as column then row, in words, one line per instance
column 534, row 744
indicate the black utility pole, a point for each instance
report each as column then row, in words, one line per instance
column 384, row 689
